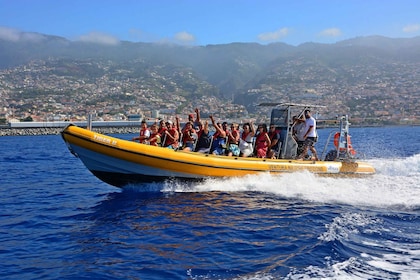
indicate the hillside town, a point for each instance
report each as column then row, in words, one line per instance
column 48, row 91
column 32, row 92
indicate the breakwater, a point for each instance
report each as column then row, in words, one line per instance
column 57, row 130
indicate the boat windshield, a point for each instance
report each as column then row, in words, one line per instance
column 282, row 117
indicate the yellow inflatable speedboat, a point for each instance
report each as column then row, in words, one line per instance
column 121, row 162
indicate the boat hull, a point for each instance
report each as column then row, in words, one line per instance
column 121, row 162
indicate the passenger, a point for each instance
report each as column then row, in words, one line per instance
column 144, row 133
column 171, row 136
column 310, row 136
column 225, row 128
column 299, row 132
column 189, row 136
column 219, row 138
column 204, row 138
column 245, row 142
column 155, row 139
column 195, row 122
column 233, row 140
column 262, row 141
column 162, row 127
column 274, row 148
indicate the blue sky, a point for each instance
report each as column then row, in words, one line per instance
column 203, row 22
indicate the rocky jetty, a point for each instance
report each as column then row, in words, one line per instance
column 55, row 131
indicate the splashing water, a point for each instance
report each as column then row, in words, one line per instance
column 394, row 185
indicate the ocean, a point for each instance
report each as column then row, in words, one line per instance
column 58, row 221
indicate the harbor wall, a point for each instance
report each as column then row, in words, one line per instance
column 56, row 130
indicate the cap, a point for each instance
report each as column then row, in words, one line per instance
column 169, row 121
column 191, row 115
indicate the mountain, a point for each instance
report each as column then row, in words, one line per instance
column 250, row 72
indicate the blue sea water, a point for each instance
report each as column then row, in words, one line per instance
column 58, row 221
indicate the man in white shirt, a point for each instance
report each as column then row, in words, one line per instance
column 144, row 134
column 310, row 136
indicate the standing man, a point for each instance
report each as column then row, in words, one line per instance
column 310, row 136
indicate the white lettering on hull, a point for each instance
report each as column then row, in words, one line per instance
column 105, row 140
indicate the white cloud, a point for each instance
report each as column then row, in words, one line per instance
column 14, row 35
column 34, row 37
column 274, row 36
column 9, row 34
column 330, row 32
column 99, row 38
column 184, row 37
column 411, row 28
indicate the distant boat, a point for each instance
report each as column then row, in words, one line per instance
column 121, row 162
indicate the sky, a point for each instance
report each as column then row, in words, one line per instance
column 204, row 22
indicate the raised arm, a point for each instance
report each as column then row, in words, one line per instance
column 197, row 112
column 252, row 128
column 267, row 138
column 206, row 127
column 221, row 132
column 177, row 124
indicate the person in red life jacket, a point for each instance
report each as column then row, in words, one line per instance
column 171, row 136
column 233, row 140
column 262, row 141
column 162, row 127
column 245, row 142
column 219, row 138
column 155, row 139
column 144, row 133
column 274, row 138
column 189, row 135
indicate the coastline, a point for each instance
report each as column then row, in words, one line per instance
column 57, row 130
column 7, row 131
